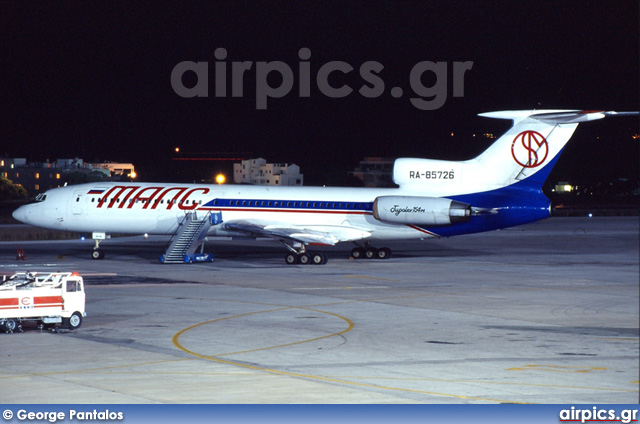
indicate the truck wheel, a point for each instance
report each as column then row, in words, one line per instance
column 73, row 322
column 9, row 325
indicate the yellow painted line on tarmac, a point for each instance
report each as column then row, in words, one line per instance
column 366, row 277
column 215, row 358
column 499, row 383
column 91, row 370
column 340, row 288
column 557, row 368
column 348, row 321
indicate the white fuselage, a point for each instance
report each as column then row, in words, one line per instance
column 157, row 208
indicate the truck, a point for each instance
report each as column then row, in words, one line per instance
column 48, row 299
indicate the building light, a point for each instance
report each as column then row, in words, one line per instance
column 57, row 176
column 37, row 176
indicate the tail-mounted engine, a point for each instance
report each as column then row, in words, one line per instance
column 420, row 210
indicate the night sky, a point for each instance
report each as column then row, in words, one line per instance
column 94, row 81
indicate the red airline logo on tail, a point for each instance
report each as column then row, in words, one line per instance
column 529, row 149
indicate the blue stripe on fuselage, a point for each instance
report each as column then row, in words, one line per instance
column 517, row 204
column 294, row 205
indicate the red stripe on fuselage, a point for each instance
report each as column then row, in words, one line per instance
column 422, row 230
column 223, row 209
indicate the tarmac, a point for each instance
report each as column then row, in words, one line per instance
column 543, row 313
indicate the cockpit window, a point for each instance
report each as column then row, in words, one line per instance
column 41, row 197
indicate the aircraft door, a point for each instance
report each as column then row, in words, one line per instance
column 77, row 204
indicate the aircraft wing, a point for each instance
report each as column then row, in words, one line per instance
column 308, row 234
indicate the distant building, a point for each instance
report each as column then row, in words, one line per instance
column 259, row 172
column 115, row 169
column 375, row 172
column 564, row 187
column 37, row 177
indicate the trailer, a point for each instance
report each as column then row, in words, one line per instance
column 49, row 299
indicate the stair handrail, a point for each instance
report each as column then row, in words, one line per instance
column 180, row 224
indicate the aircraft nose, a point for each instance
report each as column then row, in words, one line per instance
column 20, row 214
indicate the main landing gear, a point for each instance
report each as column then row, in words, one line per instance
column 302, row 257
column 370, row 252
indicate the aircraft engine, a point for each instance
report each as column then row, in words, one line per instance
column 420, row 210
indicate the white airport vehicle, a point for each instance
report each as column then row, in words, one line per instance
column 502, row 187
column 46, row 298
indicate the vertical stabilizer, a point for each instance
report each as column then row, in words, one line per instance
column 525, row 153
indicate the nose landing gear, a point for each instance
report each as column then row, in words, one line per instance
column 98, row 253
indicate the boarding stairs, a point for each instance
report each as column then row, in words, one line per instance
column 191, row 233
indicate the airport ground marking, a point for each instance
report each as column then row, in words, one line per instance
column 557, row 368
column 498, row 383
column 350, row 326
column 218, row 359
column 90, row 370
column 366, row 277
column 341, row 288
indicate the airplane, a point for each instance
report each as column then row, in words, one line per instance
column 500, row 188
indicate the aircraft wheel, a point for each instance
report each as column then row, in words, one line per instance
column 291, row 258
column 370, row 252
column 357, row 253
column 318, row 258
column 97, row 254
column 304, row 259
column 383, row 253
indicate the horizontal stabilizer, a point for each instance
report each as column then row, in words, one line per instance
column 555, row 116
